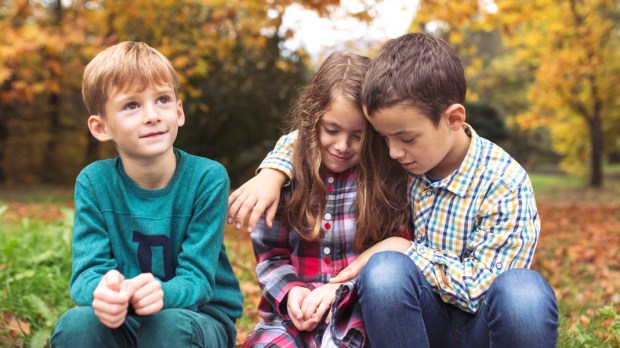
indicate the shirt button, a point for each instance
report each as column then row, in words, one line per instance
column 327, row 225
column 420, row 235
column 421, row 249
column 499, row 265
column 326, row 250
column 328, row 216
column 428, row 192
column 327, row 260
column 330, row 188
column 330, row 180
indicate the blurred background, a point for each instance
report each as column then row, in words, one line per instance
column 543, row 75
column 543, row 79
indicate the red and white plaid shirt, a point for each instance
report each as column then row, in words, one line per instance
column 285, row 260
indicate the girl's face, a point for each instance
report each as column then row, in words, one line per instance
column 340, row 133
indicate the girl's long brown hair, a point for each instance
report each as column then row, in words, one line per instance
column 381, row 184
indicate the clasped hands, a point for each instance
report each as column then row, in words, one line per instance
column 114, row 294
column 307, row 307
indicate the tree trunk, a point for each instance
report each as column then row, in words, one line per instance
column 596, row 153
column 50, row 165
column 4, row 136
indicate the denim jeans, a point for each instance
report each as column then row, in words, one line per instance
column 400, row 309
column 79, row 327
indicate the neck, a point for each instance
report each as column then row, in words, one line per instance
column 454, row 158
column 152, row 173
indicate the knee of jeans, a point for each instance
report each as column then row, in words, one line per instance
column 167, row 320
column 385, row 272
column 521, row 291
column 77, row 322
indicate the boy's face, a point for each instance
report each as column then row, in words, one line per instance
column 142, row 124
column 417, row 144
column 340, row 132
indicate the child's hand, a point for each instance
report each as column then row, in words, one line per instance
column 318, row 302
column 293, row 306
column 147, row 296
column 354, row 268
column 257, row 195
column 110, row 302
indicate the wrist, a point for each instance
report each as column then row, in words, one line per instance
column 276, row 175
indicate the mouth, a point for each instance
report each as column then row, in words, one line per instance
column 407, row 165
column 153, row 134
column 340, row 158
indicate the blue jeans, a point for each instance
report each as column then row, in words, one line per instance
column 401, row 310
column 80, row 327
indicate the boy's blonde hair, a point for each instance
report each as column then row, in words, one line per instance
column 124, row 66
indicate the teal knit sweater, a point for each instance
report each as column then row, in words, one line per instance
column 176, row 233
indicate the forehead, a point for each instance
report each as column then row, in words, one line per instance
column 394, row 120
column 345, row 114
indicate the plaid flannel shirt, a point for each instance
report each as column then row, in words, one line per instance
column 285, row 260
column 468, row 227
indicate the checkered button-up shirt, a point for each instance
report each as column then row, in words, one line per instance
column 285, row 260
column 468, row 227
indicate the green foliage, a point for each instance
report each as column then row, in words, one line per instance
column 605, row 324
column 35, row 259
column 487, row 122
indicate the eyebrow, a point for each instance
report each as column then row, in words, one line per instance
column 401, row 132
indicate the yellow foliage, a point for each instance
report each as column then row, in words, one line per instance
column 571, row 46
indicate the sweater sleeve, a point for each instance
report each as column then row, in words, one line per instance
column 92, row 253
column 194, row 280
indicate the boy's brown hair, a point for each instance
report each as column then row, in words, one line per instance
column 126, row 65
column 417, row 70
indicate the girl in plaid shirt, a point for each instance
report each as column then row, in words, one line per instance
column 319, row 230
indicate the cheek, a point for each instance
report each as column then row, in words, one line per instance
column 356, row 148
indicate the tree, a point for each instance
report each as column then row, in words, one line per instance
column 570, row 47
column 232, row 71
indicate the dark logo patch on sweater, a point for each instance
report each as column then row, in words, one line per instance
column 146, row 244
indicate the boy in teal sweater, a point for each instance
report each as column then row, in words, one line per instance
column 149, row 264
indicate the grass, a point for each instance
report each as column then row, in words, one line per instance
column 551, row 187
column 578, row 253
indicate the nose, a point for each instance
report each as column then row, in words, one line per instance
column 150, row 114
column 342, row 145
column 396, row 152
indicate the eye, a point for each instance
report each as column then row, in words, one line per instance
column 407, row 141
column 330, row 131
column 131, row 106
column 163, row 99
column 357, row 136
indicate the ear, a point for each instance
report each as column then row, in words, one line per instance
column 455, row 116
column 98, row 128
column 180, row 113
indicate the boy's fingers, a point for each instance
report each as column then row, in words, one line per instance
column 134, row 284
column 271, row 214
column 246, row 207
column 233, row 209
column 257, row 212
column 233, row 196
column 149, row 305
column 147, row 294
column 113, row 280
